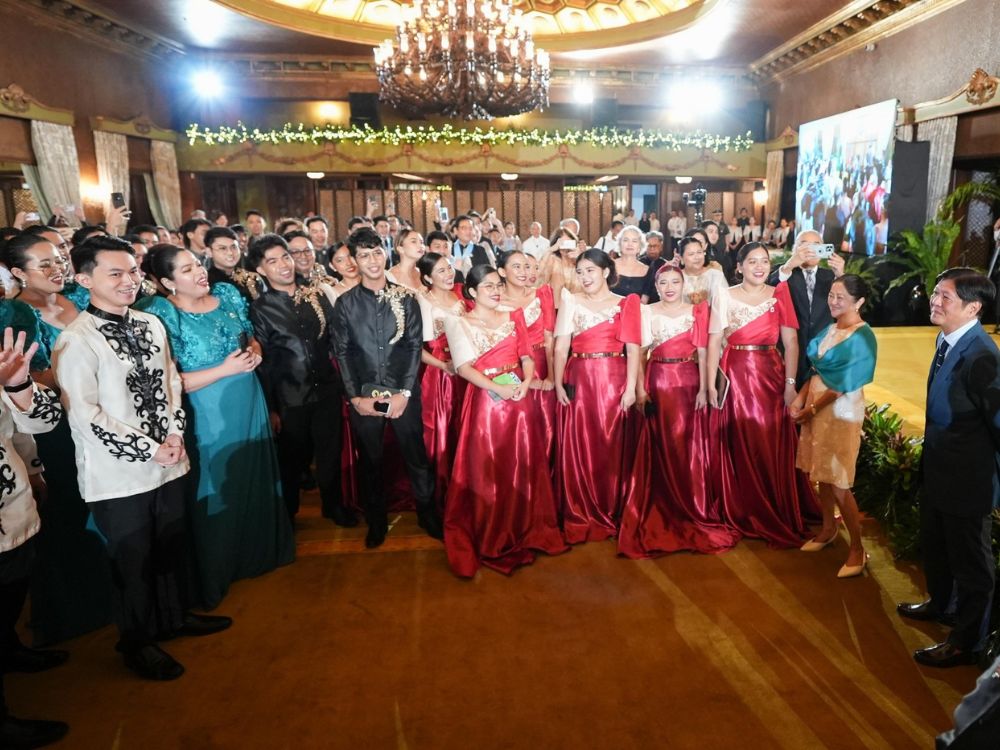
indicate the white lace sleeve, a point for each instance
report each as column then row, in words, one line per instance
column 564, row 320
column 647, row 325
column 720, row 311
column 427, row 316
column 463, row 351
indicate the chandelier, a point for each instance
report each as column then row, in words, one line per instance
column 462, row 59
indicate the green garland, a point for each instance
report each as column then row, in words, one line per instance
column 448, row 135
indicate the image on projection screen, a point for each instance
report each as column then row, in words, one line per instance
column 845, row 178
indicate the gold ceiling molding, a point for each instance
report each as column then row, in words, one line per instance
column 558, row 25
column 858, row 24
column 16, row 102
column 980, row 92
column 312, row 67
column 789, row 138
column 85, row 23
column 138, row 127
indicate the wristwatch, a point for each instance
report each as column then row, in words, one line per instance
column 405, row 392
column 789, row 381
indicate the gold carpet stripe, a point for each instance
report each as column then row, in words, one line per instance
column 861, row 729
column 704, row 636
column 800, row 619
column 400, row 737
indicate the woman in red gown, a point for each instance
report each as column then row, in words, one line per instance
column 763, row 495
column 598, row 334
column 674, row 510
column 441, row 390
column 500, row 510
column 540, row 316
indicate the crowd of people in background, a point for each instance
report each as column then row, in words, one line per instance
column 668, row 387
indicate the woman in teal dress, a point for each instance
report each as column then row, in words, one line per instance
column 71, row 579
column 239, row 525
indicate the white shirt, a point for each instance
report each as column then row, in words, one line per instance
column 955, row 336
column 535, row 246
column 784, row 275
column 677, row 226
column 608, row 244
column 122, row 393
column 18, row 513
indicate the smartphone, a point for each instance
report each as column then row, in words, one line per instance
column 444, row 215
column 567, row 245
column 244, row 341
column 32, row 216
column 382, row 407
column 118, row 200
column 822, row 251
column 570, row 390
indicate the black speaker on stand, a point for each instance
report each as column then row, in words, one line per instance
column 364, row 110
column 908, row 192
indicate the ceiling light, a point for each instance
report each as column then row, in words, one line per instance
column 330, row 111
column 315, row 175
column 509, row 176
column 607, row 178
column 583, row 92
column 207, row 84
column 683, row 180
column 698, row 97
column 410, row 177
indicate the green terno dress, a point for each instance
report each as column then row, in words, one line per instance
column 238, row 522
column 71, row 591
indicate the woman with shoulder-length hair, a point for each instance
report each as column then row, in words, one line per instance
column 763, row 495
column 831, row 409
column 598, row 334
column 441, row 388
column 674, row 509
column 500, row 510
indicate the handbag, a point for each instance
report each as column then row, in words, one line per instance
column 721, row 387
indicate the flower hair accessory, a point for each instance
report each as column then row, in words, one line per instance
column 395, row 296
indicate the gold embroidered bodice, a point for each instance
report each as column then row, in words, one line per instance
column 664, row 327
column 438, row 313
column 483, row 339
column 741, row 314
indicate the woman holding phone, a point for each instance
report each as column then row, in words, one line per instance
column 831, row 409
column 500, row 510
column 441, row 389
column 239, row 523
column 674, row 510
column 596, row 360
column 558, row 268
column 763, row 495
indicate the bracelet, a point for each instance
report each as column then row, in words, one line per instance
column 20, row 387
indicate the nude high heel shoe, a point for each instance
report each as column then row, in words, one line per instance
column 852, row 571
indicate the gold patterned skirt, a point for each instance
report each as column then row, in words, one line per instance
column 830, row 441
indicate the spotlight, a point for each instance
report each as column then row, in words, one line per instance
column 583, row 92
column 315, row 175
column 509, row 176
column 683, row 180
column 700, row 97
column 207, row 84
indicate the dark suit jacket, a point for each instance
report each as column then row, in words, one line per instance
column 812, row 318
column 962, row 431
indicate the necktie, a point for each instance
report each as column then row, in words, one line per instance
column 810, row 274
column 942, row 352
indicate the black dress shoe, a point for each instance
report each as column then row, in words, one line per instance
column 375, row 536
column 153, row 663
column 26, row 659
column 342, row 516
column 429, row 521
column 944, row 655
column 924, row 611
column 196, row 625
column 25, row 733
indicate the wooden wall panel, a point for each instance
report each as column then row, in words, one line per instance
column 594, row 227
column 463, row 201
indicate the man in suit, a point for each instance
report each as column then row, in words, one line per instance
column 960, row 480
column 466, row 251
column 809, row 286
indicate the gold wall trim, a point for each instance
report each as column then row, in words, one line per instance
column 86, row 23
column 979, row 93
column 789, row 138
column 16, row 102
column 138, row 127
column 362, row 32
column 860, row 23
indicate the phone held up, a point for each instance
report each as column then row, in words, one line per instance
column 822, row 251
column 244, row 341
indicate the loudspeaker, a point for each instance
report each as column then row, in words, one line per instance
column 755, row 119
column 604, row 113
column 908, row 190
column 364, row 110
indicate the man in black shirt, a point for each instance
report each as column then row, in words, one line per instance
column 379, row 337
column 292, row 323
column 224, row 250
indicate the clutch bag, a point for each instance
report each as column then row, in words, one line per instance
column 721, row 387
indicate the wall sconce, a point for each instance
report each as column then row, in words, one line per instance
column 759, row 194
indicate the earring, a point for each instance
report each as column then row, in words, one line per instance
column 172, row 291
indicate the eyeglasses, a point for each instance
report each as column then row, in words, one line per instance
column 370, row 254
column 297, row 253
column 234, row 248
column 490, row 287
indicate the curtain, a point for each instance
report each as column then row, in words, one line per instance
column 31, row 177
column 58, row 165
column 112, row 165
column 941, row 134
column 775, row 175
column 167, row 182
column 154, row 200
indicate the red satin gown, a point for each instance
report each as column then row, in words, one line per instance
column 500, row 510
column 594, row 463
column 540, row 317
column 441, row 396
column 762, row 494
column 674, row 510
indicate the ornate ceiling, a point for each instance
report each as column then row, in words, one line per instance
column 557, row 24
